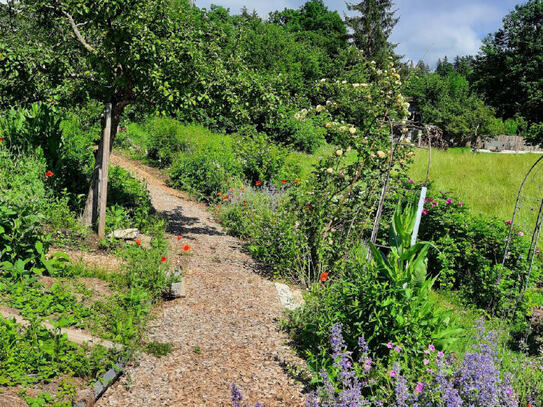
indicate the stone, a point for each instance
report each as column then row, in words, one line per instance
column 290, row 299
column 177, row 290
column 126, row 234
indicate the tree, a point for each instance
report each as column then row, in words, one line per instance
column 372, row 27
column 324, row 27
column 114, row 51
column 509, row 67
column 446, row 101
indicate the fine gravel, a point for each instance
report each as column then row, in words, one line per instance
column 226, row 329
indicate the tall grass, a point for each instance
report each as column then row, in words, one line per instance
column 487, row 182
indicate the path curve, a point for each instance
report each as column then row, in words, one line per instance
column 230, row 314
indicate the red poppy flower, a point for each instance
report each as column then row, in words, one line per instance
column 219, row 193
column 138, row 242
column 258, row 183
column 324, row 277
column 48, row 174
column 307, row 207
column 1, row 139
column 283, row 181
column 224, row 198
column 218, row 207
column 178, row 237
column 296, row 180
column 244, row 202
column 186, row 248
column 163, row 259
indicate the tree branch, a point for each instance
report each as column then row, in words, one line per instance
column 77, row 33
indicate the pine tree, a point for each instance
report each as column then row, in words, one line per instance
column 372, row 27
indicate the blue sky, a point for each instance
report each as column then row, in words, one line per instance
column 428, row 29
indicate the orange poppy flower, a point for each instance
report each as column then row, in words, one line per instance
column 219, row 193
column 324, row 277
column 138, row 242
column 231, row 188
column 178, row 237
column 243, row 188
column 296, row 180
column 186, row 248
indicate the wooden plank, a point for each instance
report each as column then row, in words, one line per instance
column 103, row 177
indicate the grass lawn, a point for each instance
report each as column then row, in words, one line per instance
column 487, row 182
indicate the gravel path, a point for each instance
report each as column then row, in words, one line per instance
column 225, row 330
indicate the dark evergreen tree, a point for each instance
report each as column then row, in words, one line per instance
column 371, row 27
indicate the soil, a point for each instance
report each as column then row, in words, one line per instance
column 226, row 329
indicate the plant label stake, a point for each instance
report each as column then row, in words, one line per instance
column 420, row 208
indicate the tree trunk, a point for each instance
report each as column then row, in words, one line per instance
column 98, row 186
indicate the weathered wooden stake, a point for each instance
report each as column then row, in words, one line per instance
column 103, row 174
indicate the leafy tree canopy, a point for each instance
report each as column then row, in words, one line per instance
column 509, row 68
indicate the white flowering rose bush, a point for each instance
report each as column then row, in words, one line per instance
column 337, row 204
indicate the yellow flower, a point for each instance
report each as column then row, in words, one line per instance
column 343, row 128
column 381, row 154
column 352, row 130
column 328, row 125
column 319, row 108
column 339, row 152
column 329, row 170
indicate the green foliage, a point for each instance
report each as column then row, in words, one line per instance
column 158, row 349
column 260, row 159
column 205, row 167
column 33, row 354
column 388, row 300
column 469, row 251
column 164, row 138
column 131, row 194
column 445, row 100
column 23, row 191
column 508, row 68
column 371, row 26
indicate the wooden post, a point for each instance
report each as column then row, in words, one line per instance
column 103, row 173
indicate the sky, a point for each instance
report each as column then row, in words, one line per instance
column 427, row 30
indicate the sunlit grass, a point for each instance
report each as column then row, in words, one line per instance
column 487, row 182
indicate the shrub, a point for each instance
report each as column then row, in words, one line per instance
column 306, row 136
column 131, row 194
column 388, row 300
column 23, row 198
column 260, row 159
column 469, row 251
column 204, row 168
column 262, row 216
column 165, row 137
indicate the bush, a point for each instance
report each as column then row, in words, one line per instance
column 23, row 199
column 260, row 159
column 165, row 137
column 131, row 194
column 306, row 136
column 387, row 301
column 262, row 216
column 468, row 254
column 205, row 167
